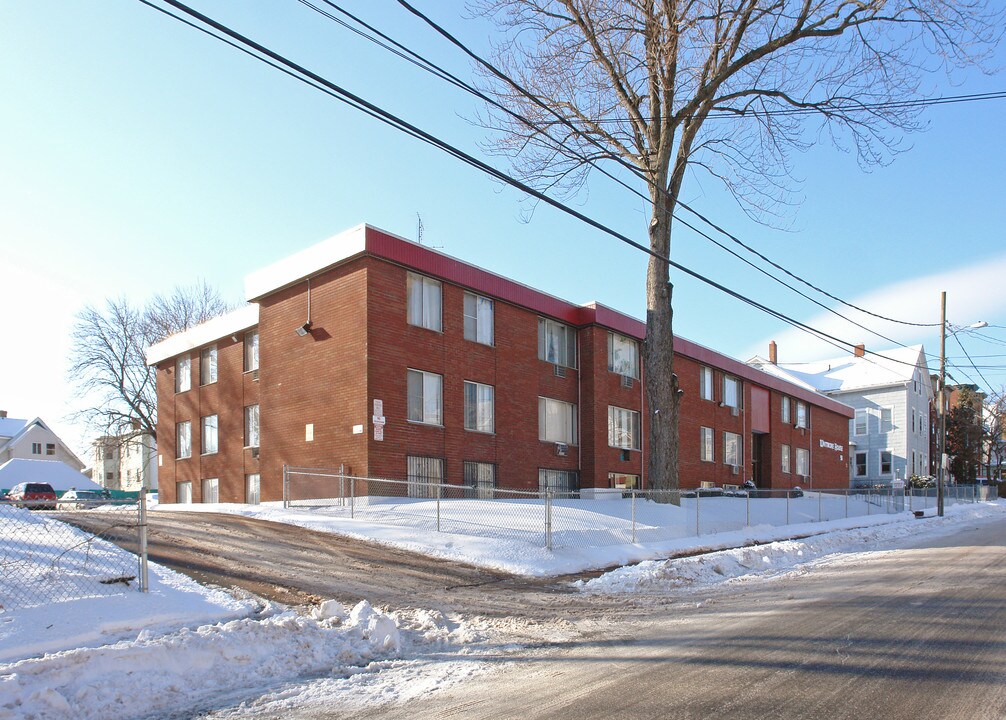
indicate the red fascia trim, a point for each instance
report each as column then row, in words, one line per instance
column 403, row 252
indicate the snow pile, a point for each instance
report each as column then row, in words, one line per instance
column 659, row 577
column 190, row 669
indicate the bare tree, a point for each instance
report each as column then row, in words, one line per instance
column 108, row 365
column 655, row 87
column 994, row 431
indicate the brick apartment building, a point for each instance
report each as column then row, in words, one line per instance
column 380, row 355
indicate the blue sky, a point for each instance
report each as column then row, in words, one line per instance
column 139, row 155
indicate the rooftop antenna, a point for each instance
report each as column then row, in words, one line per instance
column 419, row 228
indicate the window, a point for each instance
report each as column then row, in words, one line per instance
column 860, row 466
column 425, row 476
column 209, row 434
column 36, row 448
column 913, row 420
column 862, row 422
column 424, row 302
column 251, row 350
column 623, row 481
column 425, row 397
column 886, row 419
column 885, row 462
column 786, row 415
column 803, row 462
column 478, row 319
column 556, row 421
column 479, row 407
column 50, row 448
column 560, row 482
column 706, row 450
column 801, row 414
column 183, row 436
column 706, row 383
column 623, row 428
column 556, row 343
column 183, row 374
column 480, row 477
column 784, row 458
column 211, row 490
column 731, row 391
column 623, row 355
column 253, row 494
column 208, row 365
column 251, row 426
column 183, row 492
column 110, row 476
column 731, row 448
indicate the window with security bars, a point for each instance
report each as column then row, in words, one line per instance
column 560, row 482
column 425, row 476
column 480, row 479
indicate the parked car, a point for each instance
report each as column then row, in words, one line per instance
column 74, row 499
column 35, row 496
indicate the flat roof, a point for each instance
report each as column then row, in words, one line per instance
column 203, row 334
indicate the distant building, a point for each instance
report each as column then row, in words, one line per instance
column 891, row 394
column 126, row 462
column 33, row 440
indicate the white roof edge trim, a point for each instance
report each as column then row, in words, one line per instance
column 309, row 261
column 235, row 321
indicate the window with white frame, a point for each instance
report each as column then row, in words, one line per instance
column 731, row 448
column 886, row 462
column 556, row 343
column 731, row 391
column 480, row 478
column 623, row 428
column 36, row 448
column 556, row 421
column 251, row 350
column 425, row 475
column 424, row 301
column 862, row 422
column 913, row 420
column 251, row 426
column 183, row 492
column 211, row 490
column 860, row 464
column 479, row 407
column 706, row 449
column 478, row 312
column 183, row 374
column 559, row 482
column 785, row 415
column 208, row 365
column 801, row 414
column 803, row 462
column 623, row 355
column 886, row 419
column 784, row 458
column 425, row 397
column 183, row 440
column 209, row 434
column 50, row 448
column 706, row 383
column 253, row 489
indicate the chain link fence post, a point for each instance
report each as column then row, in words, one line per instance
column 697, row 531
column 144, row 577
column 633, row 516
column 440, row 492
column 352, row 497
column 548, row 519
column 286, row 487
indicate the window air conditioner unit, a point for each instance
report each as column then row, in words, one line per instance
column 559, row 371
column 627, row 381
column 561, row 449
column 255, row 374
column 735, row 411
column 254, row 452
column 735, row 469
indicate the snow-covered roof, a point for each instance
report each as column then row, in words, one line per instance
column 851, row 373
column 60, row 475
column 9, row 427
column 233, row 322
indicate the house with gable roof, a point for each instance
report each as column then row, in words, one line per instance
column 33, row 440
column 891, row 394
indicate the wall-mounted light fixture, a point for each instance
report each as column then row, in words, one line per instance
column 304, row 329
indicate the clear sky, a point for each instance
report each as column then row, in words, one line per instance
column 138, row 155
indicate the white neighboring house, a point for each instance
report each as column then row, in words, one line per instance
column 891, row 394
column 126, row 462
column 33, row 440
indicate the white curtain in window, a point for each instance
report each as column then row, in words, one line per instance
column 251, row 351
column 415, row 299
column 209, row 434
column 479, row 410
column 731, row 448
column 730, row 392
column 415, row 396
column 251, row 426
column 485, row 320
column 431, row 398
column 183, row 374
column 623, row 355
column 184, row 439
column 623, row 428
column 556, row 421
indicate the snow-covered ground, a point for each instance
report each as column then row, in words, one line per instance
column 183, row 649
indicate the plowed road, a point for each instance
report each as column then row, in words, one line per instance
column 917, row 632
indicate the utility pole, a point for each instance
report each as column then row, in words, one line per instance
column 941, row 471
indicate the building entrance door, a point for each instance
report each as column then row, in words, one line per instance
column 759, row 458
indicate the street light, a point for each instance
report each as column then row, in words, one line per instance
column 941, row 471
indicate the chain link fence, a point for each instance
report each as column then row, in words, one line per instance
column 549, row 519
column 52, row 552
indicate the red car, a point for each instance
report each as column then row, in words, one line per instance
column 35, row 496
